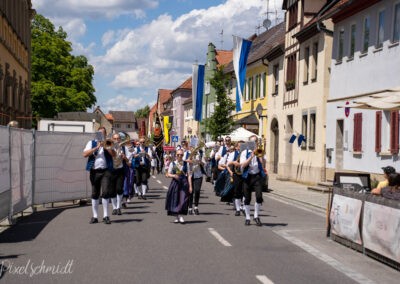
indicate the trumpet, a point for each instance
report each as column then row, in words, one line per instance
column 108, row 144
column 259, row 151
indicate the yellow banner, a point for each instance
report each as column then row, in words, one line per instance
column 166, row 132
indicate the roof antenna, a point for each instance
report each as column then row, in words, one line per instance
column 222, row 39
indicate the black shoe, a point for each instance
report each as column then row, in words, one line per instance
column 196, row 211
column 144, row 197
column 93, row 221
column 190, row 211
column 247, row 222
column 119, row 211
column 123, row 205
column 106, row 220
column 258, row 222
column 139, row 197
column 237, row 213
column 114, row 212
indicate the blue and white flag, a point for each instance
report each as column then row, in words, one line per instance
column 197, row 90
column 241, row 49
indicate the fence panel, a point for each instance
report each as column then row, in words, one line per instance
column 60, row 167
column 21, row 169
column 5, row 182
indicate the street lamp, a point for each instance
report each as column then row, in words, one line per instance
column 259, row 110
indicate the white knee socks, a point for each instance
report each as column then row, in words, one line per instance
column 237, row 204
column 105, row 207
column 144, row 187
column 114, row 203
column 247, row 211
column 119, row 201
column 256, row 209
column 95, row 207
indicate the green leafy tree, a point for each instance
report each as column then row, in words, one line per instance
column 142, row 112
column 221, row 122
column 61, row 82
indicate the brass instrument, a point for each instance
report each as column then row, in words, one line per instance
column 196, row 150
column 108, row 144
column 259, row 151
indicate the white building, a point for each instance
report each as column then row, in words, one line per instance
column 365, row 61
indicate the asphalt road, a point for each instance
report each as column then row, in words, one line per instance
column 144, row 246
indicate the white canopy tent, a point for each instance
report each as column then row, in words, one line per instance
column 241, row 134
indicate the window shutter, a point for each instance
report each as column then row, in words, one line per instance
column 357, row 134
column 394, row 132
column 378, row 131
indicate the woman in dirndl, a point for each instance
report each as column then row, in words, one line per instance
column 177, row 200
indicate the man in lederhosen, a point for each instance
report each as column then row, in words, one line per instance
column 100, row 165
column 142, row 155
column 253, row 175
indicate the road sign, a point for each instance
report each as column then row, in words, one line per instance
column 175, row 138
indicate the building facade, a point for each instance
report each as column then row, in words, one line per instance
column 365, row 64
column 179, row 96
column 15, row 50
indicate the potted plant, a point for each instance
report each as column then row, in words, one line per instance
column 290, row 85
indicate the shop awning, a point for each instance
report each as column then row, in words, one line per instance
column 383, row 100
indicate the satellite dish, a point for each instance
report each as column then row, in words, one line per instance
column 266, row 23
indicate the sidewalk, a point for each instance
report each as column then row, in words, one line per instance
column 297, row 192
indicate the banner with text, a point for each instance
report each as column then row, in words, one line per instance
column 345, row 217
column 381, row 230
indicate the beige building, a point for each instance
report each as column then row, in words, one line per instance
column 15, row 48
column 299, row 86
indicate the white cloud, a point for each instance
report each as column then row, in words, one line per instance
column 93, row 8
column 161, row 52
column 123, row 103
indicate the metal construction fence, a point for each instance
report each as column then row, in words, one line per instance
column 39, row 167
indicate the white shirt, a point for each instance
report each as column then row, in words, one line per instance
column 100, row 160
column 176, row 164
column 253, row 165
column 195, row 169
column 142, row 149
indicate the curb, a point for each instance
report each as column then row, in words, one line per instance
column 314, row 207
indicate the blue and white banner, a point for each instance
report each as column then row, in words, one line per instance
column 197, row 91
column 241, row 50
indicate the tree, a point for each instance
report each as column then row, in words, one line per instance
column 221, row 122
column 61, row 82
column 142, row 112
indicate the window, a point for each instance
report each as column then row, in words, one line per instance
column 128, row 126
column 352, row 40
column 341, row 42
column 276, row 78
column 394, row 132
column 291, row 72
column 293, row 11
column 378, row 131
column 117, row 125
column 315, row 62
column 311, row 137
column 246, row 90
column 258, row 85
column 250, row 97
column 396, row 23
column 357, row 133
column 366, row 35
column 306, row 64
column 304, row 122
column 263, row 85
column 381, row 29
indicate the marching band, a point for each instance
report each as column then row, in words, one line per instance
column 120, row 168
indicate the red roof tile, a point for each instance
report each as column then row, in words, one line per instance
column 223, row 57
column 164, row 95
column 109, row 116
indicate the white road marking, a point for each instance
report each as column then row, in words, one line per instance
column 165, row 187
column 219, row 237
column 159, row 181
column 264, row 279
column 359, row 278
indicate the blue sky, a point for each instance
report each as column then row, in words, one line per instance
column 140, row 46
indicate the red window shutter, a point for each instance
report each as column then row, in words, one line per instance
column 357, row 136
column 378, row 131
column 394, row 132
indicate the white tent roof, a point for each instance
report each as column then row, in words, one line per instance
column 241, row 134
column 383, row 100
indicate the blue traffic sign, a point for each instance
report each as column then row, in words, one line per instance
column 175, row 138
